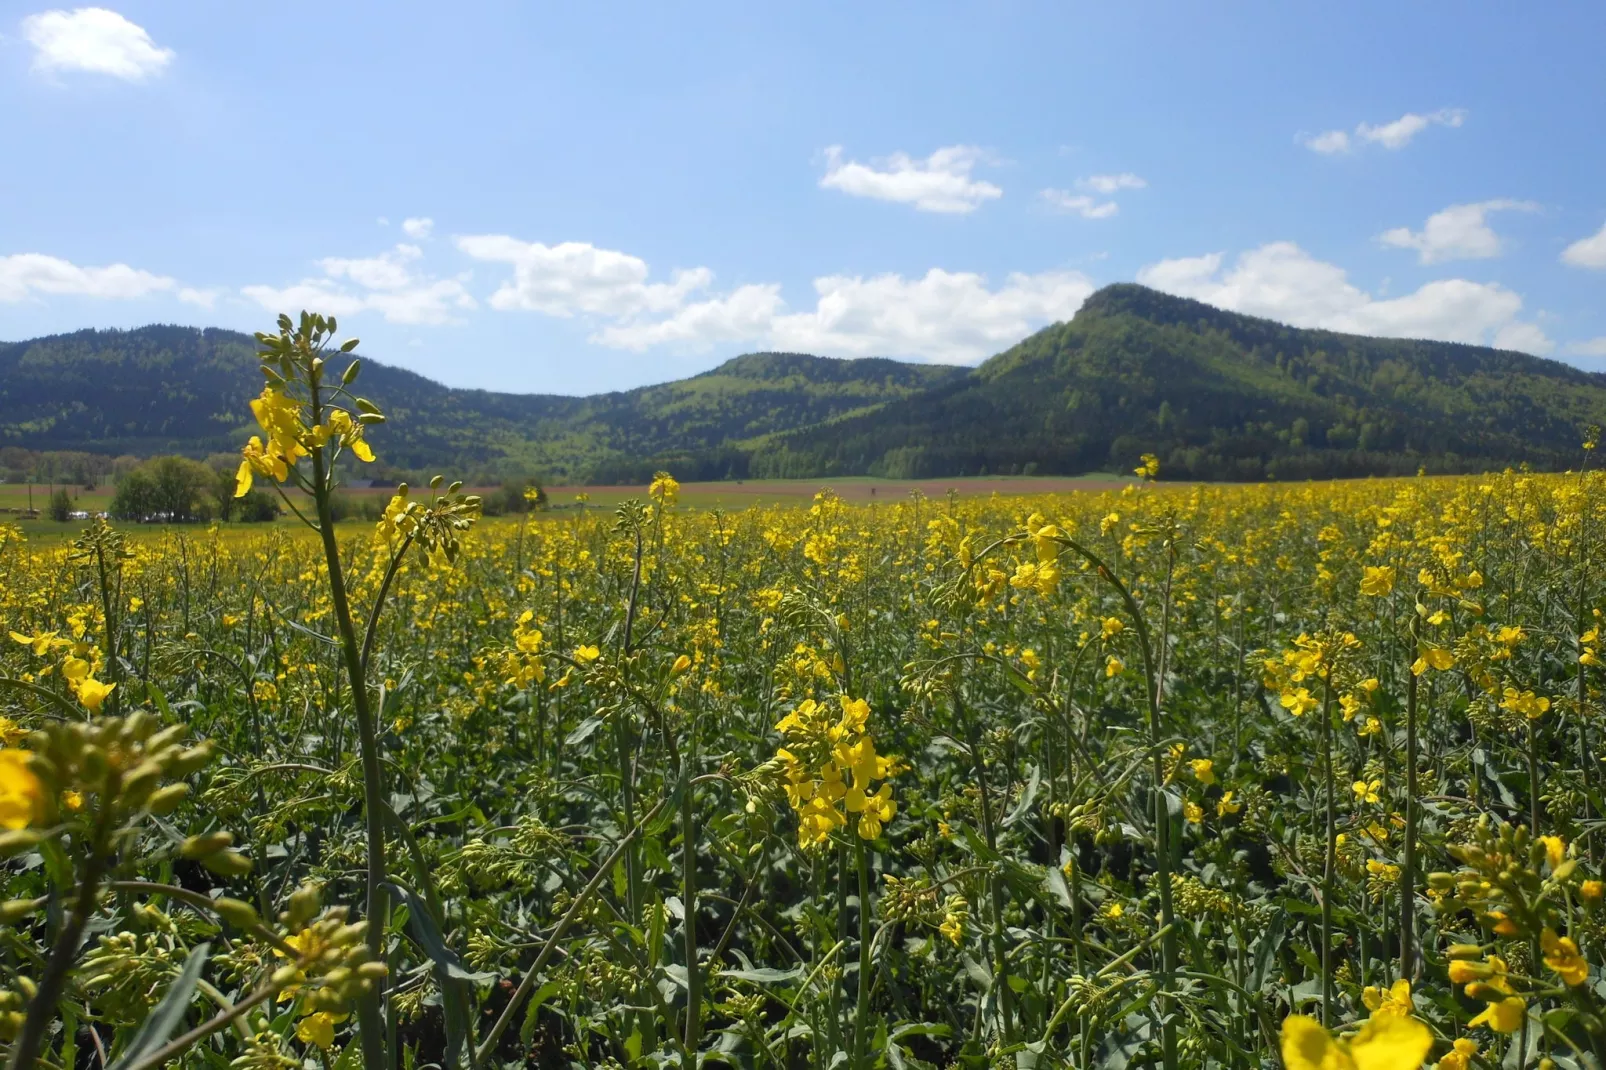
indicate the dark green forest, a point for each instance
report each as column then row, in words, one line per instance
column 1214, row 394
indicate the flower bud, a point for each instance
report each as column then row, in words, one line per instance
column 1470, row 952
column 1486, row 992
column 285, row 976
column 206, row 844
column 304, row 904
column 14, row 910
column 165, row 738
column 165, row 800
column 1441, row 881
column 20, row 840
column 374, row 971
column 191, row 760
column 141, row 782
column 227, row 863
column 236, row 912
column 1591, row 892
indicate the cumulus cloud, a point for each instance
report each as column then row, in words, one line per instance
column 1328, row 142
column 578, row 278
column 1460, row 232
column 1587, row 252
column 390, row 284
column 1593, row 347
column 418, row 228
column 32, row 275
column 1108, row 184
column 1394, row 135
column 93, row 39
column 1283, row 282
column 1063, row 200
column 939, row 183
column 1090, row 207
column 944, row 316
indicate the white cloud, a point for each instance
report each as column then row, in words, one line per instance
column 1587, row 252
column 942, row 316
column 1062, row 200
column 418, row 228
column 1107, row 184
column 745, row 313
column 945, row 316
column 1398, row 134
column 939, row 183
column 201, row 298
column 93, row 39
column 1283, row 282
column 388, row 284
column 1394, row 135
column 1593, row 347
column 577, row 277
column 28, row 275
column 1460, row 232
column 1328, row 142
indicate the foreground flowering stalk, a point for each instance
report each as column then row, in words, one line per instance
column 304, row 415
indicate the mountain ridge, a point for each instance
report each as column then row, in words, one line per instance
column 1215, row 394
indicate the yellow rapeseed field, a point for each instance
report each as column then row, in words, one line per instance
column 1175, row 776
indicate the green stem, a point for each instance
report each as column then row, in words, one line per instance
column 42, row 1008
column 1413, row 815
column 861, row 1012
column 1329, row 852
column 370, row 1016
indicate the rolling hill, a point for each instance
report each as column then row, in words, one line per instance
column 1215, row 394
column 167, row 389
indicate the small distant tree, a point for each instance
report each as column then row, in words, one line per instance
column 175, row 489
column 60, row 505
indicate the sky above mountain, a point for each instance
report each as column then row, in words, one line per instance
column 574, row 198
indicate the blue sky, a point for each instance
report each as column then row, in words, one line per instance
column 574, row 198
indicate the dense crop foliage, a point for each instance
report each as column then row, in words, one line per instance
column 1173, row 777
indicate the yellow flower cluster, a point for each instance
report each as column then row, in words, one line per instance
column 832, row 772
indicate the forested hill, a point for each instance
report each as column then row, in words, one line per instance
column 167, row 389
column 1214, row 394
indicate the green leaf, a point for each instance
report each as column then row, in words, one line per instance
column 156, row 1028
column 765, row 975
column 532, row 1012
column 583, row 731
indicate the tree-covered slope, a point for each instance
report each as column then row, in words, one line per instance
column 167, row 389
column 1216, row 395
